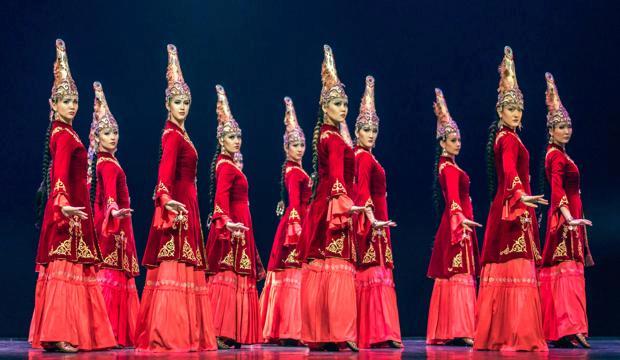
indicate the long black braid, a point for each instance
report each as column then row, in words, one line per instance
column 161, row 151
column 44, row 188
column 490, row 157
column 93, row 181
column 543, row 183
column 218, row 149
column 437, row 195
column 315, row 153
column 283, row 203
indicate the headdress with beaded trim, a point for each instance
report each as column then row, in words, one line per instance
column 64, row 85
column 445, row 123
column 556, row 112
column 508, row 92
column 102, row 119
column 293, row 132
column 368, row 113
column 332, row 87
column 226, row 122
column 176, row 83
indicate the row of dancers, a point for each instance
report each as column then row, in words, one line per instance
column 329, row 282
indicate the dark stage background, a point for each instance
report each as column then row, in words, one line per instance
column 261, row 51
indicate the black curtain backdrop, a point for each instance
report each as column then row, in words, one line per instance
column 261, row 51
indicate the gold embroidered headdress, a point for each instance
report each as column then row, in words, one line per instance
column 176, row 84
column 63, row 81
column 556, row 112
column 102, row 119
column 445, row 124
column 368, row 113
column 293, row 132
column 332, row 87
column 508, row 90
column 226, row 122
column 102, row 116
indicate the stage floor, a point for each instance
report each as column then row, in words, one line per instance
column 602, row 348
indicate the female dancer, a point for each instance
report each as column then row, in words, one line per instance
column 328, row 303
column 174, row 312
column 113, row 223
column 280, row 300
column 562, row 284
column 377, row 313
column 454, row 261
column 233, row 261
column 509, row 316
column 69, row 311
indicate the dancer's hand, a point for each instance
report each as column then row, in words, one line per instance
column 176, row 207
column 578, row 222
column 122, row 213
column 380, row 224
column 71, row 211
column 236, row 227
column 533, row 200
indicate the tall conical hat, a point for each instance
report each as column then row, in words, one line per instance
column 368, row 113
column 332, row 87
column 226, row 122
column 445, row 123
column 293, row 132
column 176, row 83
column 556, row 112
column 508, row 90
column 63, row 81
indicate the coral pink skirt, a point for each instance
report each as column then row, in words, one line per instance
column 280, row 304
column 328, row 303
column 508, row 309
column 175, row 315
column 121, row 300
column 69, row 307
column 563, row 297
column 377, row 312
column 452, row 311
column 234, row 303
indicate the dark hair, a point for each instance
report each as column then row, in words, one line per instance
column 44, row 188
column 437, row 195
column 218, row 149
column 283, row 203
column 93, row 181
column 490, row 157
column 543, row 183
column 161, row 151
column 315, row 153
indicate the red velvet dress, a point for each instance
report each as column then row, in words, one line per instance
column 508, row 308
column 174, row 311
column 280, row 301
column 118, row 249
column 562, row 283
column 377, row 312
column 68, row 302
column 328, row 303
column 233, row 260
column 454, row 261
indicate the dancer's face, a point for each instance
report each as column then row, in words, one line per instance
column 295, row 151
column 511, row 116
column 178, row 107
column 367, row 136
column 561, row 133
column 452, row 144
column 108, row 140
column 66, row 108
column 231, row 143
column 336, row 110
